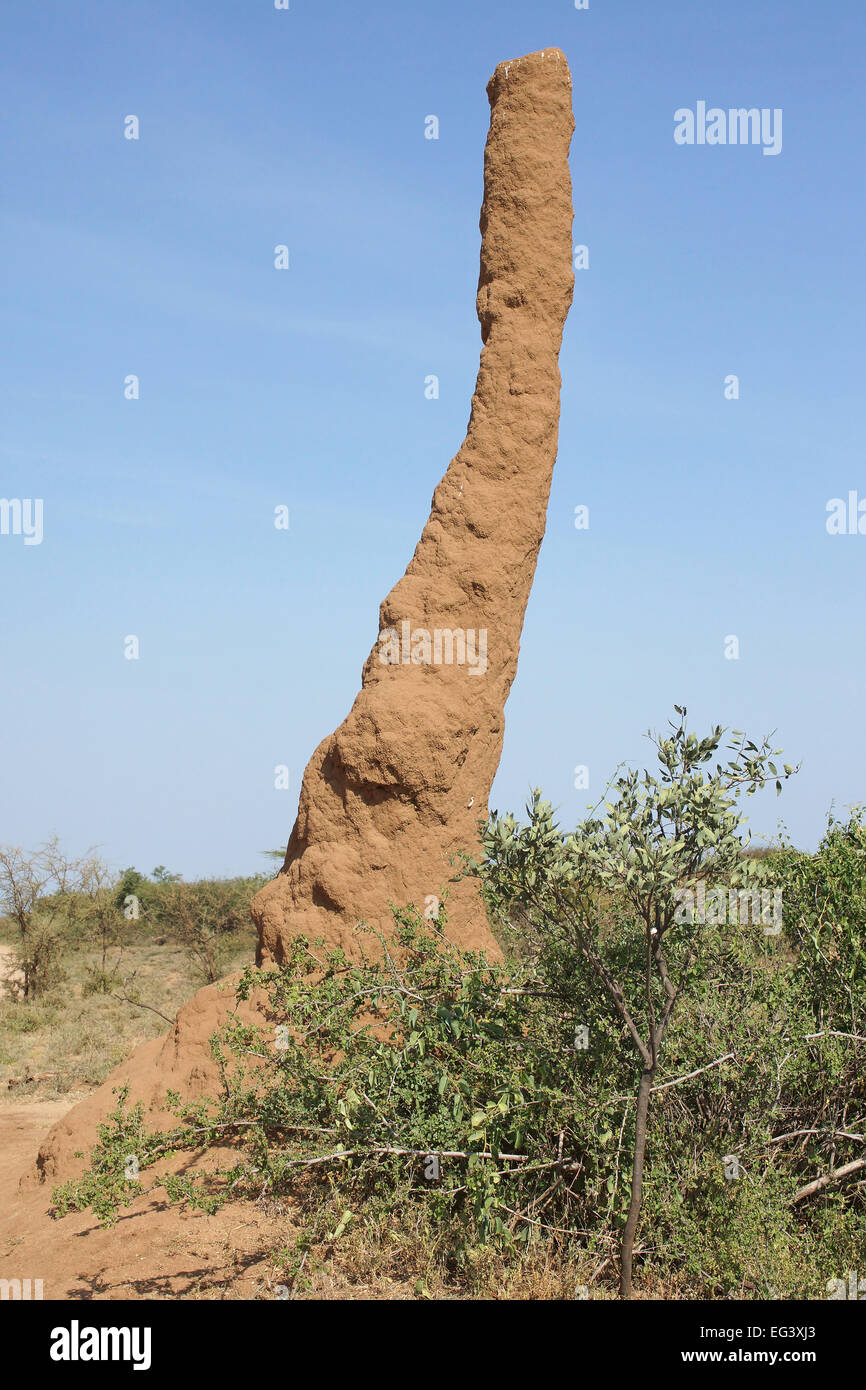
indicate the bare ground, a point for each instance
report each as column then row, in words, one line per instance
column 154, row 1251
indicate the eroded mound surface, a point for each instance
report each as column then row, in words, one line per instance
column 397, row 791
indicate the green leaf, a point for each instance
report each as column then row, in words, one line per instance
column 341, row 1225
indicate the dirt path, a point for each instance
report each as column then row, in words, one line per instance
column 23, row 1126
column 155, row 1250
column 23, row 1123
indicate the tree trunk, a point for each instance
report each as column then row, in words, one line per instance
column 643, row 1095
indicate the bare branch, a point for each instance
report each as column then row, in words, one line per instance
column 666, row 1085
column 820, row 1183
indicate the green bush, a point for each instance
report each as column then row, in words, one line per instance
column 366, row 1073
column 492, row 1104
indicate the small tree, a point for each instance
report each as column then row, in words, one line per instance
column 162, row 875
column 202, row 916
column 99, row 915
column 36, row 893
column 661, row 839
column 130, row 890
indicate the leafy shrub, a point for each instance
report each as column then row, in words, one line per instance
column 434, row 1079
column 493, row 1103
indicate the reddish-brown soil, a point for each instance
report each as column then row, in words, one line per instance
column 154, row 1251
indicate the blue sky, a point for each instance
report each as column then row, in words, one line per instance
column 306, row 387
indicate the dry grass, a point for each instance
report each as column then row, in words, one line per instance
column 78, row 1036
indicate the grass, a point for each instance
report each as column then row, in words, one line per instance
column 78, row 1036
